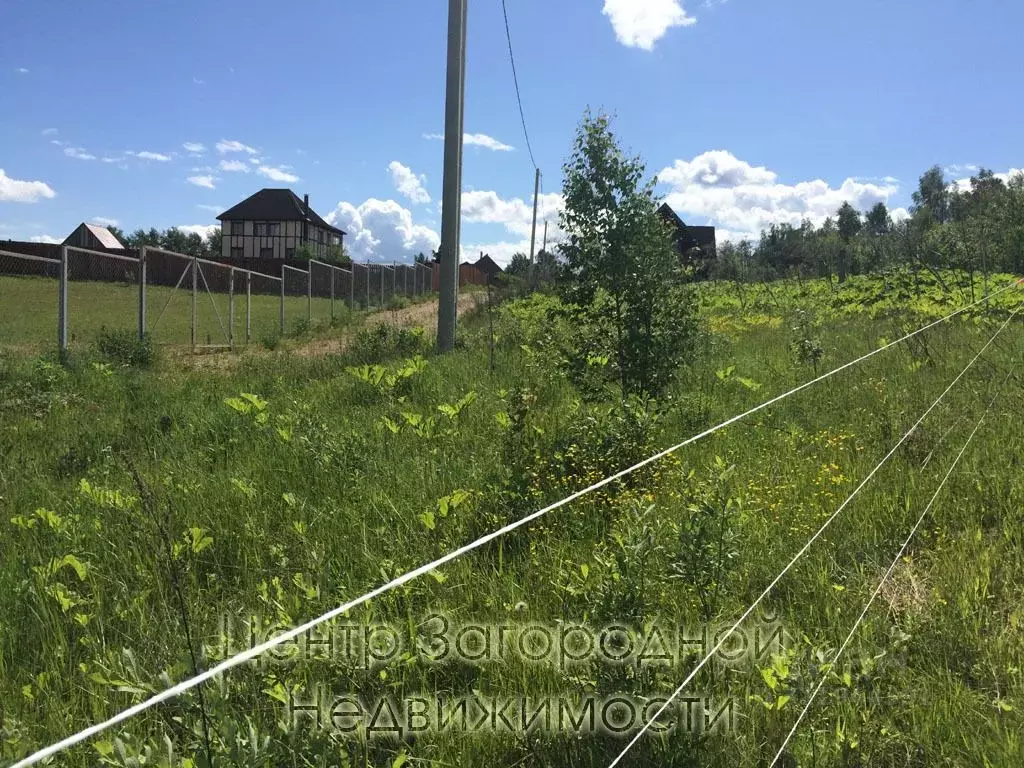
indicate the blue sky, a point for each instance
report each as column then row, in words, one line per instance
column 750, row 111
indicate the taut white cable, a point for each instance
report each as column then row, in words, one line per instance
column 257, row 650
column 803, row 549
column 913, row 532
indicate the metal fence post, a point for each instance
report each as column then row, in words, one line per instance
column 352, row 287
column 195, row 298
column 283, row 274
column 405, row 280
column 309, row 294
column 62, row 302
column 142, row 293
column 231, row 309
column 333, row 270
column 367, row 287
column 248, row 306
column 382, row 271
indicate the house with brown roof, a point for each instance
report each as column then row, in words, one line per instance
column 94, row 238
column 272, row 224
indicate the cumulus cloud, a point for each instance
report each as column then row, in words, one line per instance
column 236, row 166
column 476, row 140
column 208, row 182
column 205, row 231
column 48, row 239
column 78, row 153
column 15, row 191
column 103, row 221
column 277, row 174
column 194, row 147
column 515, row 214
column 743, row 199
column 642, row 23
column 224, row 146
column 964, row 185
column 382, row 230
column 408, row 183
column 50, row 132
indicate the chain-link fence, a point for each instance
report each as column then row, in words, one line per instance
column 102, row 296
column 181, row 300
column 29, row 299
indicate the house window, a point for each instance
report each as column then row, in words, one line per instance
column 267, row 229
column 237, row 227
column 237, row 254
column 266, row 253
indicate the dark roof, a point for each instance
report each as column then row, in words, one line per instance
column 488, row 266
column 275, row 205
column 688, row 237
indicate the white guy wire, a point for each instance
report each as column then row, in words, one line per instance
column 256, row 651
column 913, row 532
column 804, row 549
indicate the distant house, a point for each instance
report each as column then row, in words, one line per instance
column 488, row 267
column 272, row 224
column 697, row 246
column 94, row 238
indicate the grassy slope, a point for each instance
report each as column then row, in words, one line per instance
column 323, row 501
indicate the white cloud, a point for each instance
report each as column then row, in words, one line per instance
column 964, row 185
column 209, row 182
column 15, row 191
column 743, row 200
column 110, row 159
column 408, row 183
column 203, row 230
column 50, row 132
column 21, row 71
column 382, row 230
column 642, row 23
column 234, row 166
column 255, row 160
column 224, row 146
column 48, row 239
column 211, row 208
column 475, row 140
column 194, row 147
column 277, row 174
column 57, row 143
column 78, row 153
column 160, row 158
column 103, row 221
column 516, row 215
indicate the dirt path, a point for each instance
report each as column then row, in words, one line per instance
column 422, row 315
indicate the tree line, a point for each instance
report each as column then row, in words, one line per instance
column 976, row 226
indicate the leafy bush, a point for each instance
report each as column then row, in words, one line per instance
column 122, row 346
column 385, row 342
column 397, row 302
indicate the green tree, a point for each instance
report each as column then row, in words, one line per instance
column 519, row 266
column 877, row 221
column 619, row 257
column 933, row 195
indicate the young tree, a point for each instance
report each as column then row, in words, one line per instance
column 619, row 254
column 933, row 194
column 519, row 266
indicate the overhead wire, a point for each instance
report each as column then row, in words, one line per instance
column 515, row 78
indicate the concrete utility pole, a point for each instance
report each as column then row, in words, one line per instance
column 451, row 204
column 533, row 234
column 545, row 246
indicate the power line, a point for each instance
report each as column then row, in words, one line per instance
column 913, row 532
column 803, row 550
column 255, row 651
column 515, row 78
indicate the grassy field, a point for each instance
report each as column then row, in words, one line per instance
column 146, row 513
column 28, row 313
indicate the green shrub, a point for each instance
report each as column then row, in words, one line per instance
column 385, row 342
column 398, row 302
column 124, row 347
